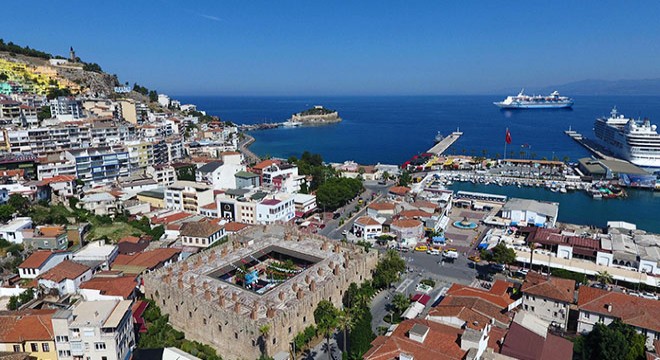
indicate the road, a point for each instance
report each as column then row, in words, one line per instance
column 423, row 266
column 332, row 228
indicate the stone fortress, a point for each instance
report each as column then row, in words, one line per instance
column 316, row 115
column 203, row 298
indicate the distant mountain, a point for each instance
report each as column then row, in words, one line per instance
column 606, row 87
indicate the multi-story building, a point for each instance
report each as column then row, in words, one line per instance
column 221, row 174
column 368, row 228
column 164, row 175
column 66, row 108
column 100, row 165
column 95, row 330
column 28, row 331
column 188, row 196
column 602, row 306
column 275, row 208
column 141, row 154
column 283, row 177
column 549, row 298
column 305, row 204
column 110, row 132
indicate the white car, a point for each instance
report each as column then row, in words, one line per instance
column 648, row 295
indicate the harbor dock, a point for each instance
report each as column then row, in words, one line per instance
column 588, row 144
column 445, row 143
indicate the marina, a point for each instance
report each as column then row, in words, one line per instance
column 588, row 144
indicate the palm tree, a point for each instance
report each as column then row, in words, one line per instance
column 533, row 247
column 400, row 302
column 345, row 322
column 484, row 152
column 604, row 277
column 264, row 330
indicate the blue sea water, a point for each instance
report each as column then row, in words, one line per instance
column 393, row 129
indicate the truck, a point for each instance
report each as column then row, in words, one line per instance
column 450, row 254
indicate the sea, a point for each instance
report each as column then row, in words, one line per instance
column 392, row 129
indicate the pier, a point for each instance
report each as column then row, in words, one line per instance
column 588, row 144
column 445, row 143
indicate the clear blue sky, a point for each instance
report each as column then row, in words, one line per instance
column 346, row 47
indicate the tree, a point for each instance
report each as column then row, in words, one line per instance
column 388, row 269
column 405, row 178
column 264, row 330
column 153, row 96
column 345, row 322
column 502, row 254
column 19, row 203
column 385, row 176
column 6, row 212
column 614, row 341
column 400, row 302
column 4, row 77
column 44, row 113
column 326, row 317
column 604, row 277
column 532, row 247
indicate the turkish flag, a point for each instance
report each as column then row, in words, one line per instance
column 507, row 137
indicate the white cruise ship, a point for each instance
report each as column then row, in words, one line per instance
column 634, row 140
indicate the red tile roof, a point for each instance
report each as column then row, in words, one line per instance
column 147, row 260
column 235, row 226
column 441, row 343
column 264, row 164
column 367, row 221
column 472, row 318
column 36, row 260
column 26, row 325
column 498, row 293
column 170, row 218
column 550, row 288
column 113, row 286
column 414, row 214
column 425, row 204
column 58, row 178
column 399, row 190
column 130, row 239
column 51, row 231
column 475, row 304
column 406, row 223
column 67, row 269
column 524, row 344
column 379, row 206
column 632, row 310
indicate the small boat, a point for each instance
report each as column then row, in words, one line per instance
column 291, row 123
column 562, row 190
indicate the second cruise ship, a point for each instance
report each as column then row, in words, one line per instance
column 634, row 140
column 522, row 101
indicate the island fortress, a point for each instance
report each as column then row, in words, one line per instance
column 316, row 115
column 231, row 297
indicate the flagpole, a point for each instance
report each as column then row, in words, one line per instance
column 505, row 137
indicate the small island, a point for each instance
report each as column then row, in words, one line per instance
column 314, row 116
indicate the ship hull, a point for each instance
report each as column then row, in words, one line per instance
column 533, row 106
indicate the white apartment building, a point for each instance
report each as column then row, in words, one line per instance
column 283, row 177
column 13, row 231
column 95, row 330
column 188, row 196
column 66, row 108
column 164, row 175
column 221, row 174
column 99, row 165
column 274, row 208
column 163, row 100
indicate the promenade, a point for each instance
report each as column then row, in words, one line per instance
column 243, row 147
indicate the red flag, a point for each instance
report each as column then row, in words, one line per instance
column 507, row 137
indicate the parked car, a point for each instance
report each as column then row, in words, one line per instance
column 497, row 267
column 421, row 248
column 474, row 258
column 336, row 215
column 433, row 252
column 648, row 295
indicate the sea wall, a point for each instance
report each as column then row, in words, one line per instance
column 312, row 119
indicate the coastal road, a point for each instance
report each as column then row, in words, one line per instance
column 243, row 145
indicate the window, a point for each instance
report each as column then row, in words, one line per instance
column 289, row 329
column 99, row 346
column 64, row 353
column 45, row 347
column 586, row 315
column 34, row 347
column 61, row 339
column 219, row 327
column 17, row 348
column 190, row 314
column 601, row 318
column 204, row 321
column 235, row 335
column 106, row 358
column 532, row 308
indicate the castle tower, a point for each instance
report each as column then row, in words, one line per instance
column 72, row 55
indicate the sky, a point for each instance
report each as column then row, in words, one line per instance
column 346, row 47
